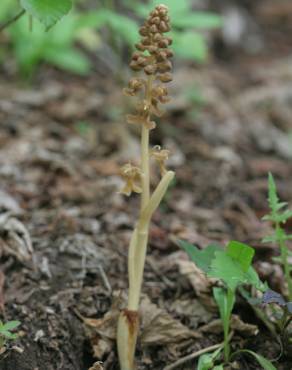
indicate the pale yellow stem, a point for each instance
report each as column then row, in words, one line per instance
column 145, row 195
column 156, row 197
column 127, row 328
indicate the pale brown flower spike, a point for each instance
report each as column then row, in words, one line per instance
column 152, row 59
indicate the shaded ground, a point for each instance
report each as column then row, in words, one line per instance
column 61, row 144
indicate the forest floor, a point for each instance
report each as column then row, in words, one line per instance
column 65, row 229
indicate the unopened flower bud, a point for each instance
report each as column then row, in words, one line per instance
column 165, row 66
column 150, row 69
column 155, row 20
column 143, row 31
column 140, row 46
column 136, row 55
column 152, row 49
column 163, row 27
column 165, row 77
column 157, row 37
column 153, row 28
column 134, row 66
column 163, row 43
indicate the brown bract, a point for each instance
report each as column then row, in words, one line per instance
column 161, row 156
column 132, row 177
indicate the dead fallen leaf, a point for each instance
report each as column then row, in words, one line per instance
column 192, row 309
column 14, row 238
column 158, row 326
column 96, row 366
column 236, row 324
column 199, row 281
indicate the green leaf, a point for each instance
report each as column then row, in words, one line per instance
column 265, row 363
column 124, row 27
column 253, row 279
column 69, row 59
column 230, row 271
column 273, row 197
column 10, row 325
column 8, row 335
column 225, row 303
column 223, row 267
column 190, row 45
column 199, row 20
column 206, row 361
column 47, row 11
column 202, row 258
column 241, row 253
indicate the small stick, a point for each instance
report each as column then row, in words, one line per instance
column 12, row 20
column 197, row 354
column 193, row 355
column 105, row 279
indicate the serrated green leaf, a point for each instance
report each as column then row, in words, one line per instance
column 265, row 363
column 273, row 197
column 283, row 217
column 241, row 253
column 223, row 267
column 197, row 19
column 201, row 257
column 47, row 11
column 280, row 205
column 230, row 271
column 10, row 325
column 253, row 279
column 8, row 334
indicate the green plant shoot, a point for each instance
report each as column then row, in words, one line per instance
column 279, row 215
column 232, row 267
column 5, row 331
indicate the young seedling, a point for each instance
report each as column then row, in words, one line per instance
column 232, row 267
column 279, row 216
column 152, row 58
column 5, row 332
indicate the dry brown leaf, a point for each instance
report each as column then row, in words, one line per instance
column 236, row 324
column 199, row 281
column 96, row 366
column 160, row 327
column 102, row 333
column 193, row 309
column 157, row 326
column 14, row 238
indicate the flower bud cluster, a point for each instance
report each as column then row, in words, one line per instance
column 153, row 50
column 153, row 57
